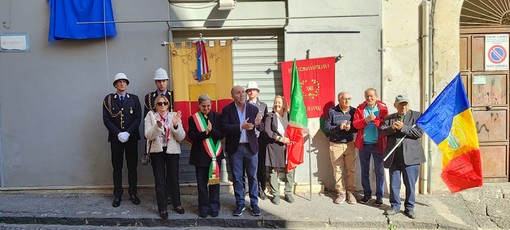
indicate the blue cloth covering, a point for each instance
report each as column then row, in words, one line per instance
column 65, row 13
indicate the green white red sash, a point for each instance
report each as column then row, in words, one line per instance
column 213, row 148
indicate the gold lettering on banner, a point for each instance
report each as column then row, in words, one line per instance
column 310, row 67
column 314, row 108
column 310, row 89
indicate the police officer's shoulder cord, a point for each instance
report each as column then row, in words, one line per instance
column 108, row 106
column 148, row 102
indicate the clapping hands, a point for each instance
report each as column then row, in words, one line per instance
column 370, row 117
column 176, row 119
column 248, row 126
column 345, row 125
column 397, row 125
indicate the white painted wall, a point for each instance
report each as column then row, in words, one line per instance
column 445, row 67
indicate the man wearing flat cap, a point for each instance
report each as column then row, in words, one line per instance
column 406, row 157
column 122, row 116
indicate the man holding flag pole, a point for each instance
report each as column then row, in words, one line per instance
column 404, row 154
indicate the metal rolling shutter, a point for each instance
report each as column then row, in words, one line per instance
column 256, row 57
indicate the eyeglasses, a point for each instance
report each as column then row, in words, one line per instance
column 162, row 103
column 347, row 99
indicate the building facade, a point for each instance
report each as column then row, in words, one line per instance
column 51, row 132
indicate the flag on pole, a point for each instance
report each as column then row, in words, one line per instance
column 450, row 124
column 298, row 122
column 202, row 63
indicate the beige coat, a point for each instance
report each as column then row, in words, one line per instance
column 155, row 134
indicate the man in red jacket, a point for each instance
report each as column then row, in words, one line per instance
column 370, row 142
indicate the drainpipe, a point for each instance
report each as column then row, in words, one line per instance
column 426, row 41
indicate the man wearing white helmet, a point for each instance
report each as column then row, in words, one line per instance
column 122, row 116
column 161, row 81
column 252, row 90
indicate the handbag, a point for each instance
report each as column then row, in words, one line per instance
column 146, row 157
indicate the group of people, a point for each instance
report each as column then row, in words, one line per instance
column 392, row 141
column 241, row 123
column 122, row 115
column 256, row 146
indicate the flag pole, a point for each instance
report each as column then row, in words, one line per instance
column 310, row 168
column 395, row 147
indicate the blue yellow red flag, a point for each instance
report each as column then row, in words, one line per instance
column 450, row 124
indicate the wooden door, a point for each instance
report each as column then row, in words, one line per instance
column 489, row 97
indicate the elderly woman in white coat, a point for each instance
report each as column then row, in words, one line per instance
column 164, row 131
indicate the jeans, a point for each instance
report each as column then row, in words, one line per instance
column 244, row 158
column 410, row 175
column 370, row 150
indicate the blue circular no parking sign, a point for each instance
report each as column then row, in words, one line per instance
column 497, row 54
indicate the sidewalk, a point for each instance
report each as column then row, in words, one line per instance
column 480, row 208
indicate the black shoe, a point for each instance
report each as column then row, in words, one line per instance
column 410, row 214
column 116, row 202
column 262, row 194
column 239, row 211
column 203, row 214
column 255, row 210
column 134, row 199
column 289, row 198
column 179, row 209
column 378, row 202
column 391, row 212
column 163, row 214
column 365, row 199
column 215, row 213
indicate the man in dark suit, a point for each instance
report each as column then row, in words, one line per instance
column 122, row 116
column 239, row 121
column 407, row 156
column 161, row 81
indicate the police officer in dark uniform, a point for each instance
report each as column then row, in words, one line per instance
column 161, row 81
column 122, row 116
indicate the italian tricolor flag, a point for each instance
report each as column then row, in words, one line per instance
column 298, row 122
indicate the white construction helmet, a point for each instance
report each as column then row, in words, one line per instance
column 120, row 76
column 160, row 74
column 252, row 85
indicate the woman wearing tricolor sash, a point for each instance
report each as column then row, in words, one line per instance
column 206, row 155
column 164, row 131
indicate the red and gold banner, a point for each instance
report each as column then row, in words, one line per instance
column 317, row 78
column 216, row 83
